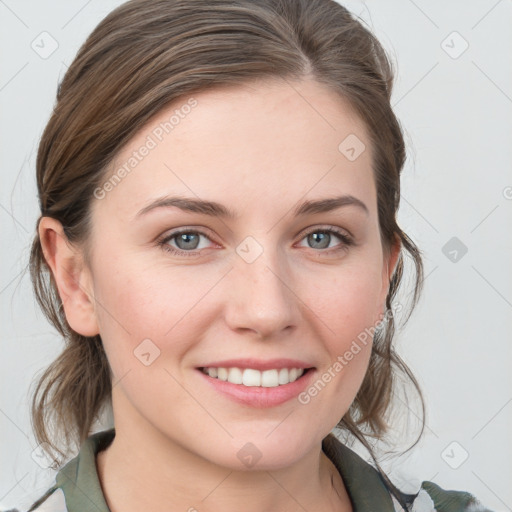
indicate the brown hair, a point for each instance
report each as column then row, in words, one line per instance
column 146, row 54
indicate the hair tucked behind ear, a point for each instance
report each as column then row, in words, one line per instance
column 72, row 390
column 149, row 53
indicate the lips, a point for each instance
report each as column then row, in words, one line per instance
column 258, row 383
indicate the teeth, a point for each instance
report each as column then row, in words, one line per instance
column 235, row 376
column 250, row 378
column 283, row 376
column 269, row 379
column 254, row 378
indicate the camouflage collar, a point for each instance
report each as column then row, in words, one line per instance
column 80, row 483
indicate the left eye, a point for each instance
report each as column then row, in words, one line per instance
column 321, row 238
column 190, row 241
column 184, row 240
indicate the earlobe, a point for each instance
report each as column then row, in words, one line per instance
column 71, row 276
column 390, row 263
column 393, row 257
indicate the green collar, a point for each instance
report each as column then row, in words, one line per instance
column 364, row 484
column 79, row 480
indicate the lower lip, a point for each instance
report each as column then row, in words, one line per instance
column 261, row 397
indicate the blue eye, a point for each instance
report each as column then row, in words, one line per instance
column 187, row 242
column 323, row 237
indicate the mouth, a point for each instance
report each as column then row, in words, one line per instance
column 258, row 384
column 252, row 377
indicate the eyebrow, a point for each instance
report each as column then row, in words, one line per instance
column 214, row 209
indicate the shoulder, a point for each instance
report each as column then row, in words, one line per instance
column 76, row 485
column 370, row 489
column 51, row 501
column 431, row 498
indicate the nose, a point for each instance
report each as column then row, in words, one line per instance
column 261, row 298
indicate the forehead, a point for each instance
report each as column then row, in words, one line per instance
column 287, row 119
column 250, row 143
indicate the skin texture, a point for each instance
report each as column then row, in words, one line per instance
column 260, row 150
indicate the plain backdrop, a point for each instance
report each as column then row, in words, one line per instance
column 453, row 96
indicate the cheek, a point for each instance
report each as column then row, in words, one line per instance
column 346, row 301
column 345, row 310
column 137, row 303
column 147, row 324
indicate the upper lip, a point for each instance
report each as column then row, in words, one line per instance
column 258, row 364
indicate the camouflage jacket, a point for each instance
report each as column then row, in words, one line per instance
column 77, row 487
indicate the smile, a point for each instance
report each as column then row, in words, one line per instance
column 256, row 382
column 251, row 377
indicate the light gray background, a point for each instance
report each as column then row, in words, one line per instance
column 456, row 109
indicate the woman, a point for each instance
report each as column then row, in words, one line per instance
column 218, row 246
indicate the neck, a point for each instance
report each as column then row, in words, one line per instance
column 143, row 469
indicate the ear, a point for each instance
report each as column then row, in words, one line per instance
column 72, row 277
column 388, row 267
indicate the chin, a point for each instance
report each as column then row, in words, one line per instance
column 261, row 452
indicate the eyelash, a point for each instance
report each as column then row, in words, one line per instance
column 347, row 241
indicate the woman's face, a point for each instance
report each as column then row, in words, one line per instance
column 277, row 284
